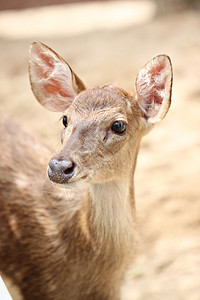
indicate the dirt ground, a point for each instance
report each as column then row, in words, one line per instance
column 167, row 266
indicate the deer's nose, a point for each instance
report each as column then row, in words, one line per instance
column 60, row 171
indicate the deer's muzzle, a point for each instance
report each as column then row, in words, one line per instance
column 60, row 171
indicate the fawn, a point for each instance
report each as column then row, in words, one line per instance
column 81, row 249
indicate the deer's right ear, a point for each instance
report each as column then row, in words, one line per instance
column 53, row 82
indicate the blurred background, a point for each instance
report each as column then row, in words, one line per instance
column 109, row 41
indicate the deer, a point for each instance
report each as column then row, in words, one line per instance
column 75, row 238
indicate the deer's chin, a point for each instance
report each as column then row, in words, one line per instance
column 74, row 183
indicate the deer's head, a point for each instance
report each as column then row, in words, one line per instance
column 103, row 126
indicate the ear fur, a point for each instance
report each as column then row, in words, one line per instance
column 153, row 86
column 53, row 82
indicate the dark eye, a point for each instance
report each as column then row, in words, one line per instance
column 65, row 121
column 119, row 127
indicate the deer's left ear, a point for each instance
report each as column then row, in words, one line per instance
column 153, row 87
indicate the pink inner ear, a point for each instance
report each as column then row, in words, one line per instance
column 44, row 70
column 156, row 86
column 46, row 58
column 153, row 84
column 55, row 87
column 46, row 66
column 51, row 78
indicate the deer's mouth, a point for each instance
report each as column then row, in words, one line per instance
column 65, row 177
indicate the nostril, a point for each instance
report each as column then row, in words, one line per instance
column 70, row 169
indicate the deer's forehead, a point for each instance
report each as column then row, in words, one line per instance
column 92, row 117
column 100, row 99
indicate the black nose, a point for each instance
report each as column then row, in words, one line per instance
column 60, row 171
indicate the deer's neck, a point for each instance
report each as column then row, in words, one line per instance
column 112, row 211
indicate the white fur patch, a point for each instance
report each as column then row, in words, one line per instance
column 112, row 209
column 21, row 181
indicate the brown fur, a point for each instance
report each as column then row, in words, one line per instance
column 49, row 244
column 75, row 244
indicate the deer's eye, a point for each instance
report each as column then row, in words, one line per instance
column 65, row 121
column 119, row 127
